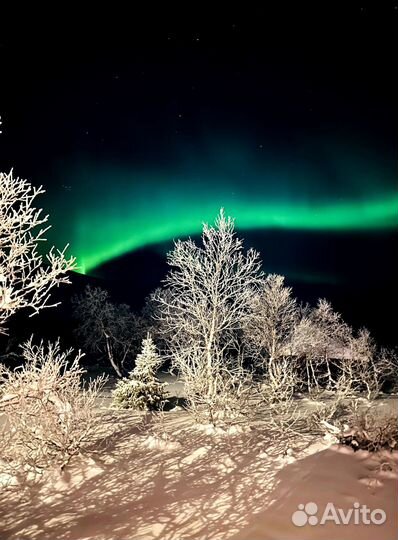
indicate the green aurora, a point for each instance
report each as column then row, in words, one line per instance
column 114, row 210
column 97, row 243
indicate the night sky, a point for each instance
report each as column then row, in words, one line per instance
column 142, row 125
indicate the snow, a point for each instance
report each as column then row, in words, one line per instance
column 175, row 481
column 159, row 443
column 336, row 475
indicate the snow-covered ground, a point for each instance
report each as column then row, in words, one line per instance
column 175, row 481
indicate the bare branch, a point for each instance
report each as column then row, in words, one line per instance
column 26, row 279
column 205, row 303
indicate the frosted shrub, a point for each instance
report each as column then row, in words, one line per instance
column 368, row 368
column 227, row 402
column 50, row 417
column 371, row 431
column 279, row 383
column 142, row 390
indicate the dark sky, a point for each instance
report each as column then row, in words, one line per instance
column 270, row 74
column 142, row 123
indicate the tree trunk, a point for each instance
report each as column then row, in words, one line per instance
column 111, row 359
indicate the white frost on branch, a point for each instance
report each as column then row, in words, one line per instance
column 274, row 313
column 26, row 278
column 204, row 306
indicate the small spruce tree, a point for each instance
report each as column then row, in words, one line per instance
column 148, row 360
column 142, row 390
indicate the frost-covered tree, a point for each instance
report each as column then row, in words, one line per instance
column 367, row 367
column 274, row 313
column 205, row 302
column 142, row 390
column 148, row 360
column 26, row 277
column 109, row 329
column 320, row 336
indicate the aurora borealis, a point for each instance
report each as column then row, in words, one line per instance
column 142, row 209
column 93, row 249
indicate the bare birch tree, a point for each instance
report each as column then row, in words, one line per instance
column 26, row 277
column 274, row 313
column 206, row 301
column 112, row 330
column 320, row 336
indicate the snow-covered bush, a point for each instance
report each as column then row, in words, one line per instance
column 333, row 407
column 371, row 431
column 50, row 417
column 279, row 383
column 327, row 417
column 229, row 399
column 142, row 390
column 367, row 367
